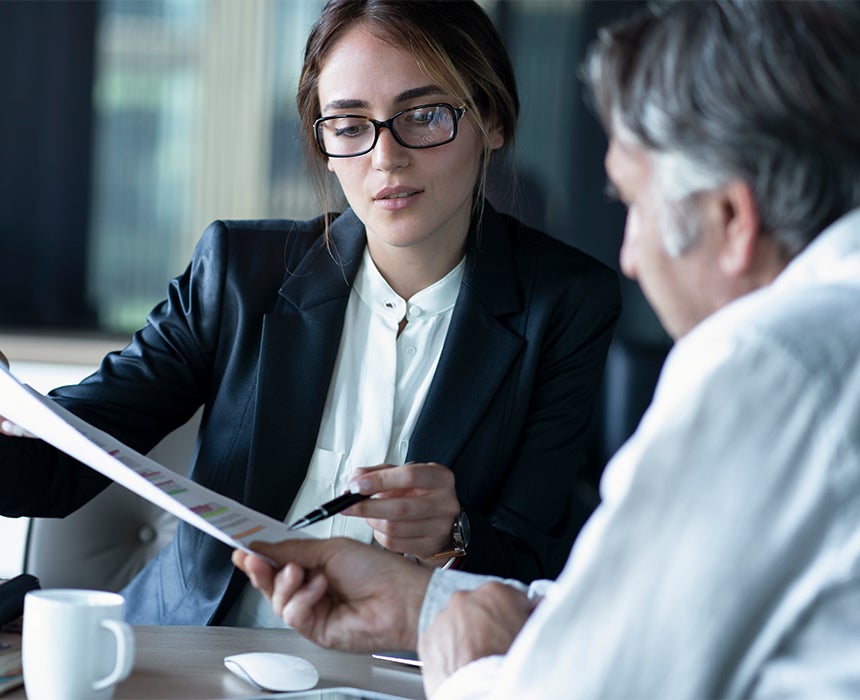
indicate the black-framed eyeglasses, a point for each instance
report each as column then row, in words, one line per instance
column 425, row 126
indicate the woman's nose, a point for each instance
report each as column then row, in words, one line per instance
column 387, row 153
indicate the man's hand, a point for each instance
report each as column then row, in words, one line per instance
column 340, row 593
column 413, row 509
column 475, row 624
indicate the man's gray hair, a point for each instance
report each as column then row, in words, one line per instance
column 766, row 92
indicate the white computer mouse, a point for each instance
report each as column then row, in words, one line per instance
column 269, row 670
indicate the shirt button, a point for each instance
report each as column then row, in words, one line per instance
column 411, row 351
column 415, row 311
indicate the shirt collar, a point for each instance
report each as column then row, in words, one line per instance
column 378, row 295
column 833, row 255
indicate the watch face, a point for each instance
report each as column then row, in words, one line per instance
column 462, row 532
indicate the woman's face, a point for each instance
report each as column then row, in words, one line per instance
column 412, row 201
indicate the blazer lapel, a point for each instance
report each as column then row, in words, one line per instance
column 299, row 346
column 478, row 350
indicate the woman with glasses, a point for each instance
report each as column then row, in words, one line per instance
column 418, row 347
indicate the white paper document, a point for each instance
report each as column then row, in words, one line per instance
column 223, row 518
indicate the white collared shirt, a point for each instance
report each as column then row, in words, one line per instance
column 378, row 388
column 724, row 559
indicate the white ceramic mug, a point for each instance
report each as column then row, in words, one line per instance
column 75, row 644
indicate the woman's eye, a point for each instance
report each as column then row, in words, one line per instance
column 424, row 116
column 351, row 130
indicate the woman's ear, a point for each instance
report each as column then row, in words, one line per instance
column 497, row 138
column 742, row 230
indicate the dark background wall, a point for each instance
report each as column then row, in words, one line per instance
column 46, row 55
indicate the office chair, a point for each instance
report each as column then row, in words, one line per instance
column 106, row 542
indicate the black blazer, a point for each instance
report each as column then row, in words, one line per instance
column 251, row 331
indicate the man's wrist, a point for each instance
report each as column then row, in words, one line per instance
column 414, row 604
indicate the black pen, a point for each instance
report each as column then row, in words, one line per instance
column 326, row 510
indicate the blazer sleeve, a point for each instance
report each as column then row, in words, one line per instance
column 138, row 394
column 186, row 353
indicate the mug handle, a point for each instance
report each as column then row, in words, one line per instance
column 124, row 636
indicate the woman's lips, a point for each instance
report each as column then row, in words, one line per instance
column 395, row 198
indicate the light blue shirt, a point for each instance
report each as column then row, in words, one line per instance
column 724, row 560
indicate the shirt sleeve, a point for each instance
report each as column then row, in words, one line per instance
column 473, row 681
column 444, row 583
column 722, row 520
column 820, row 659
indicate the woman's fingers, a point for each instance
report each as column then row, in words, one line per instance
column 11, row 429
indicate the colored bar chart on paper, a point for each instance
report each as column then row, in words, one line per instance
column 225, row 519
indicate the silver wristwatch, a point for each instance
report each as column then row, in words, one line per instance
column 461, row 533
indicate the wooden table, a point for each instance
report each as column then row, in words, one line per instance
column 188, row 663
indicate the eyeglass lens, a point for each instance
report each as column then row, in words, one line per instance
column 422, row 127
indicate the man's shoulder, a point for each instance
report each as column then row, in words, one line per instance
column 768, row 344
column 815, row 324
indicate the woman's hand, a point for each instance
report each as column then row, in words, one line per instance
column 413, row 507
column 7, row 427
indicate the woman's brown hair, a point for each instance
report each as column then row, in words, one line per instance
column 454, row 42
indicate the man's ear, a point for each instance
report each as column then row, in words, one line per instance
column 742, row 228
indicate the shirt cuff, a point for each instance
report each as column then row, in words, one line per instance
column 444, row 584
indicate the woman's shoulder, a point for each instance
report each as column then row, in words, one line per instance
column 287, row 240
column 553, row 256
column 267, row 231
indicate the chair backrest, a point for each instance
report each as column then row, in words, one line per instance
column 632, row 371
column 105, row 543
column 101, row 545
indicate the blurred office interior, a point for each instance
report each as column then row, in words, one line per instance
column 129, row 125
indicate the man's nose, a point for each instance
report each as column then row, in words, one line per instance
column 627, row 258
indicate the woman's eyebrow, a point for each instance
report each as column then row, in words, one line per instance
column 405, row 96
column 345, row 104
column 412, row 93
